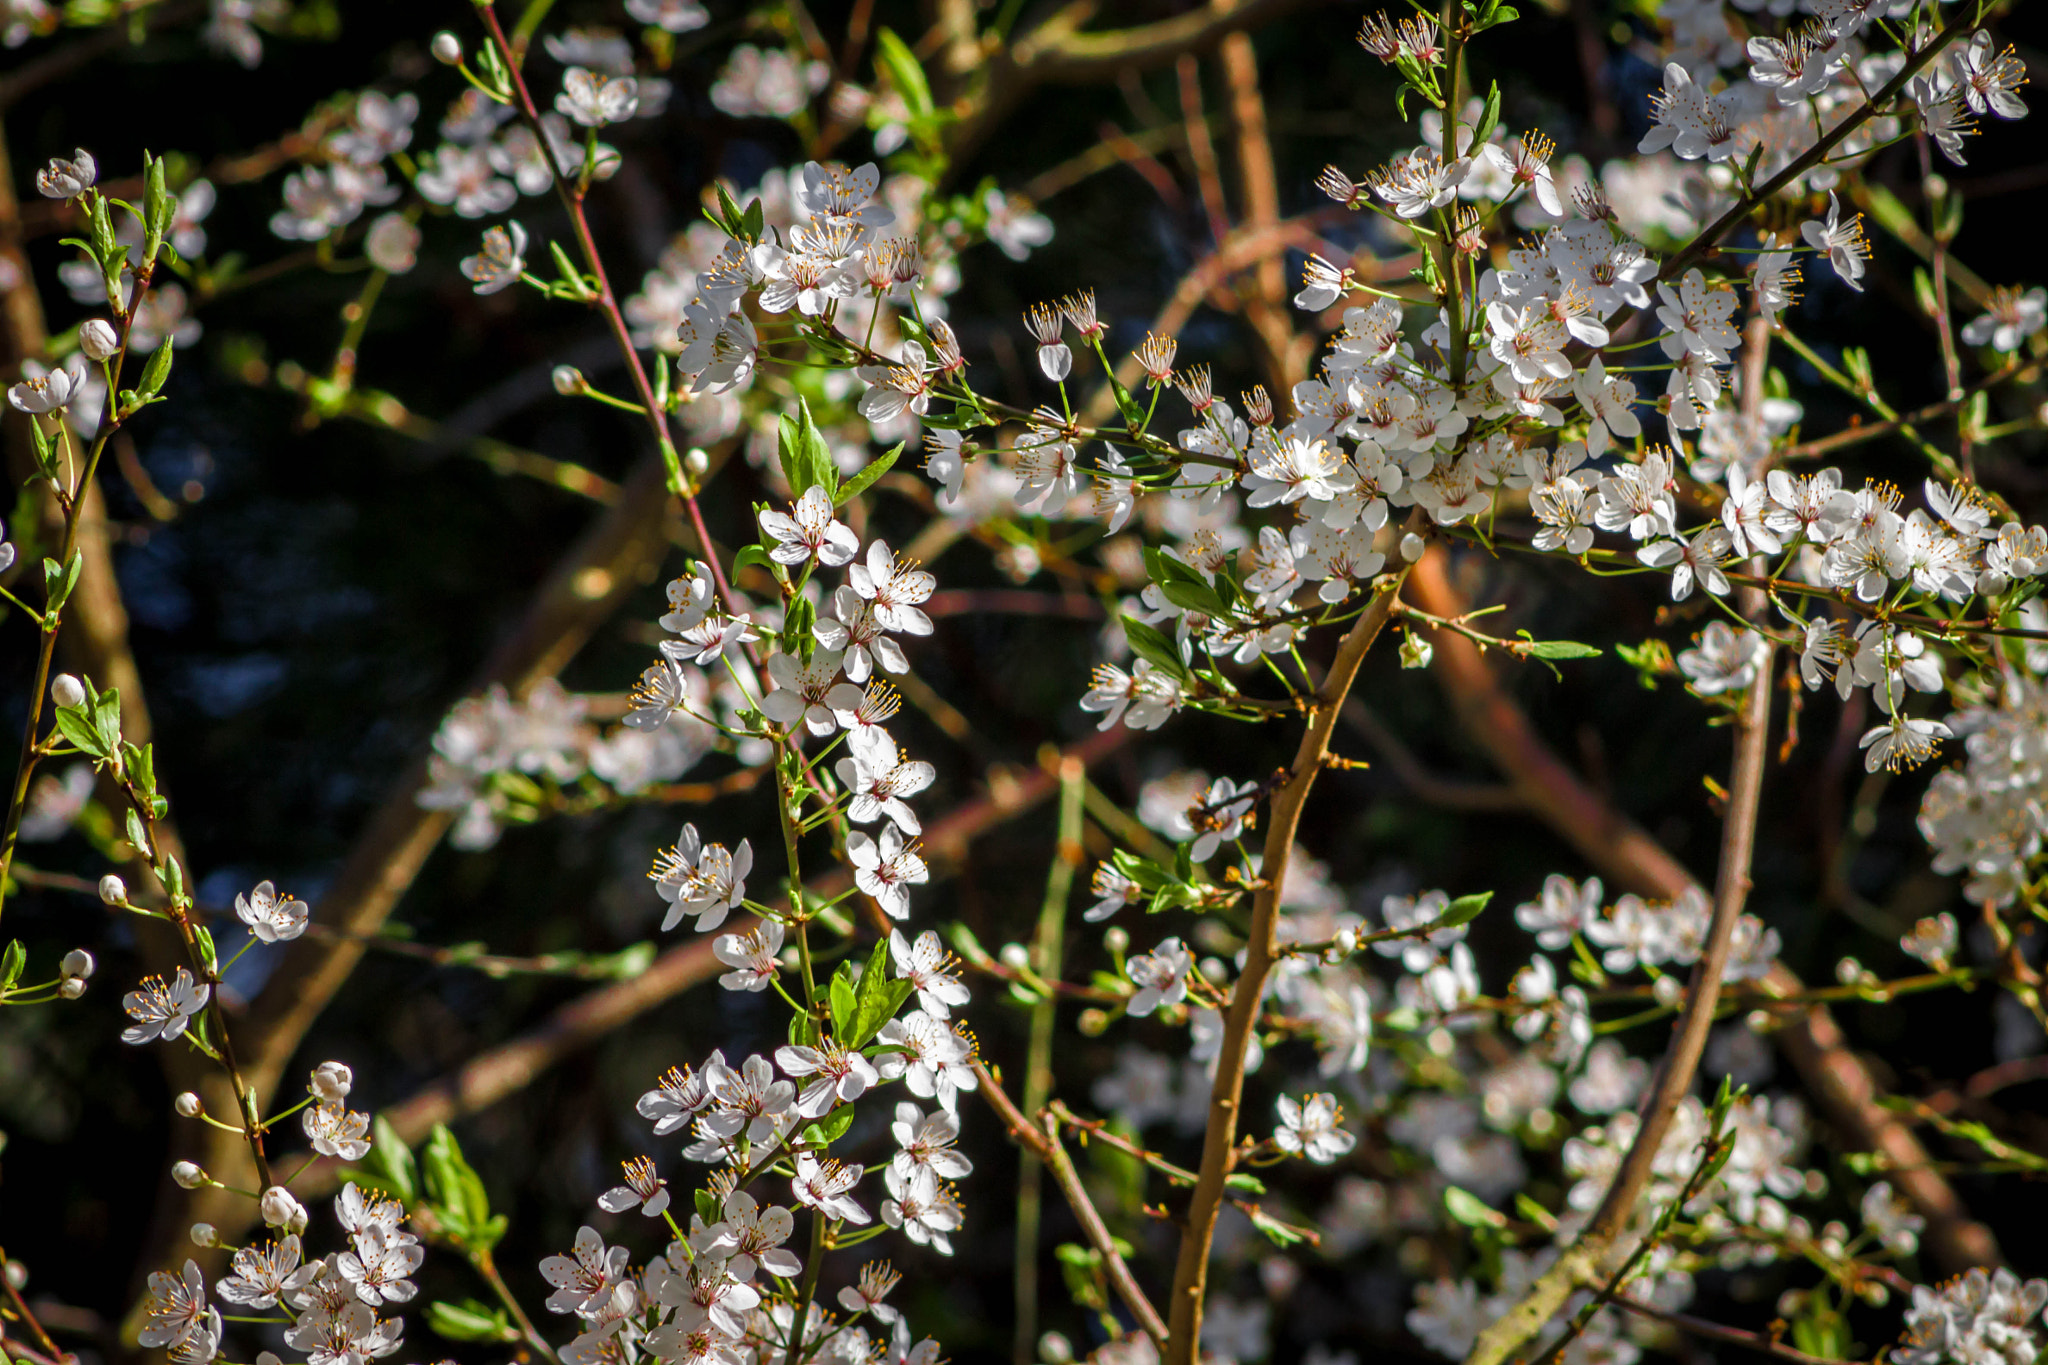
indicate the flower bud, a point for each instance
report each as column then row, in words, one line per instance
column 189, row 1105
column 1666, row 990
column 188, row 1175
column 113, row 890
column 71, row 989
column 696, row 462
column 1116, row 939
column 98, row 340
column 77, row 965
column 17, row 1275
column 1411, row 547
column 1016, row 957
column 280, row 1210
column 66, row 690
column 332, row 1081
column 569, row 381
column 1055, row 1349
column 203, row 1235
column 447, row 48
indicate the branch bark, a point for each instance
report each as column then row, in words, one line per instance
column 1226, row 1093
column 1628, row 857
column 1606, row 1239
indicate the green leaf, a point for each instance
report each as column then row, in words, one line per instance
column 753, row 221
column 59, row 580
column 470, row 1321
column 839, row 994
column 707, row 1207
column 806, row 460
column 859, row 483
column 895, row 61
column 1183, row 584
column 105, row 244
column 878, row 998
column 391, row 1161
column 12, row 960
column 457, row 1195
column 1151, row 645
column 1244, row 1184
column 156, row 371
column 1463, row 910
column 1558, row 649
column 1470, row 1210
column 209, row 956
column 1489, row 117
column 76, row 726
column 138, row 834
column 158, row 208
column 829, row 1129
column 754, row 555
column 106, row 718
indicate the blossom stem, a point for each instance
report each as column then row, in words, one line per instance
column 1191, row 1272
column 1046, row 951
column 1967, row 18
column 813, row 1263
column 487, row 1268
column 572, row 197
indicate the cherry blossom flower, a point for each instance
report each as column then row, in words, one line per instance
column 811, row 533
column 922, row 1207
column 749, row 1238
column 886, row 870
column 586, row 1277
column 1843, row 243
column 499, row 264
column 842, row 1076
column 928, row 967
column 826, row 1185
column 1989, row 80
column 595, row 98
column 643, row 1190
column 163, row 1011
column 751, row 955
column 272, row 918
column 1313, row 1128
column 701, row 879
column 2009, row 318
column 1160, row 976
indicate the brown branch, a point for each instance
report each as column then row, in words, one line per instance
column 1732, row 1336
column 1605, row 1240
column 1266, row 308
column 1044, row 1142
column 1226, row 1092
column 1627, row 856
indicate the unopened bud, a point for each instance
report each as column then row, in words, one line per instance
column 1116, row 939
column 1411, row 547
column 188, row 1175
column 1666, row 990
column 113, row 890
column 189, row 1105
column 569, row 381
column 1055, row 1349
column 332, row 1081
column 71, row 989
column 1212, row 969
column 1015, row 957
column 447, row 48
column 203, row 1235
column 280, row 1210
column 17, row 1275
column 97, row 339
column 696, row 461
column 66, row 690
column 77, row 965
